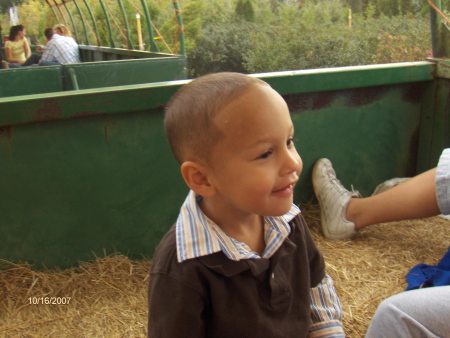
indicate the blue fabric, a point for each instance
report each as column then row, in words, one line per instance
column 423, row 275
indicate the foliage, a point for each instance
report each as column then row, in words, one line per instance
column 34, row 24
column 34, row 16
column 313, row 35
column 244, row 10
column 258, row 35
column 407, row 39
column 5, row 4
column 193, row 12
column 221, row 48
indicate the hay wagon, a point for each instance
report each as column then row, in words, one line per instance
column 85, row 171
column 85, row 168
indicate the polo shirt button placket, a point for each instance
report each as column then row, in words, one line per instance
column 280, row 298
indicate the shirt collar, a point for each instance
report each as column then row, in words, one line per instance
column 197, row 235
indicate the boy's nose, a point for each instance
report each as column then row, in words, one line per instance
column 292, row 162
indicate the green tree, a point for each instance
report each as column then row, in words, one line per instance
column 244, row 10
column 388, row 7
column 356, row 5
column 407, row 6
column 221, row 48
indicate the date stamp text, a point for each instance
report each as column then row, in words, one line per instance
column 49, row 300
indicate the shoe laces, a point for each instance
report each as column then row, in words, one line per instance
column 355, row 193
column 336, row 182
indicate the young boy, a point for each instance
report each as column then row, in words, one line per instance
column 240, row 261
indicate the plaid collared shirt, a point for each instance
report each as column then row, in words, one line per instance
column 61, row 49
column 197, row 236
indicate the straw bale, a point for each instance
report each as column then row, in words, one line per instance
column 108, row 296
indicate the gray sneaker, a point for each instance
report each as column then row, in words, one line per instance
column 389, row 184
column 333, row 200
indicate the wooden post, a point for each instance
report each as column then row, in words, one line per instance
column 139, row 31
column 350, row 18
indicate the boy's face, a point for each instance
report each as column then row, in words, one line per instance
column 255, row 166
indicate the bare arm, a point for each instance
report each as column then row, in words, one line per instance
column 8, row 54
column 26, row 47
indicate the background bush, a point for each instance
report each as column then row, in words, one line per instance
column 266, row 35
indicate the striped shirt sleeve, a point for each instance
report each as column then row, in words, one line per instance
column 326, row 311
column 443, row 182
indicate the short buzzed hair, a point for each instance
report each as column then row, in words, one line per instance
column 48, row 32
column 189, row 118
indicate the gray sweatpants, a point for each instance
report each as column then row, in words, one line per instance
column 422, row 312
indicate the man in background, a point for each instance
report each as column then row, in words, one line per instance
column 61, row 48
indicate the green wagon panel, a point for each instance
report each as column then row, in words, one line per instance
column 125, row 72
column 30, row 80
column 90, row 171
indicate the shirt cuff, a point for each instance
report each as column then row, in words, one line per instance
column 329, row 329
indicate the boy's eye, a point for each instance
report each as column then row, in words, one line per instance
column 265, row 154
column 290, row 141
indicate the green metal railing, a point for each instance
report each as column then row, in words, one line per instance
column 94, row 22
column 127, row 26
column 53, row 9
column 58, row 7
column 153, row 46
column 82, row 21
column 180, row 26
column 66, row 13
column 111, row 40
column 440, row 30
column 432, row 122
column 74, row 28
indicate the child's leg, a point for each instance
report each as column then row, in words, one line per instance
column 424, row 195
column 417, row 313
column 414, row 198
column 342, row 215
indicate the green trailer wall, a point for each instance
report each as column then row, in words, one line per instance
column 89, row 172
column 98, row 74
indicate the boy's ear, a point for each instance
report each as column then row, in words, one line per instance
column 196, row 177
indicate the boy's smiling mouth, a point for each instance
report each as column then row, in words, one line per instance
column 285, row 191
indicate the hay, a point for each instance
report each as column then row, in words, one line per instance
column 109, row 295
column 108, row 298
column 373, row 265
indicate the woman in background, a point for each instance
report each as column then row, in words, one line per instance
column 17, row 49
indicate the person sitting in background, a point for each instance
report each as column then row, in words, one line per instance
column 3, row 63
column 344, row 213
column 35, row 58
column 62, row 30
column 61, row 49
column 422, row 312
column 48, row 32
column 17, row 48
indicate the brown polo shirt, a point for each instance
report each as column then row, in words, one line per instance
column 213, row 296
